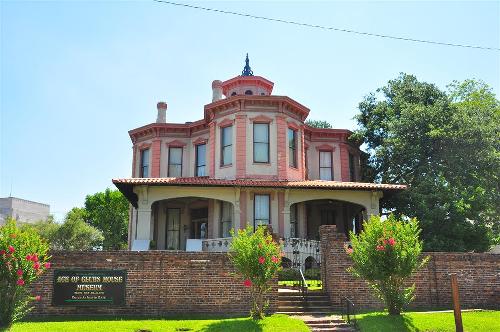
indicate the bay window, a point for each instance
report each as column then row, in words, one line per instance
column 174, row 162
column 325, row 165
column 261, row 143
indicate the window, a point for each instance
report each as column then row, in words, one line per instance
column 201, row 154
column 261, row 210
column 249, row 92
column 144, row 171
column 352, row 173
column 293, row 220
column 325, row 165
column 226, row 146
column 175, row 162
column 261, row 142
column 233, row 94
column 292, row 148
column 226, row 219
column 173, row 229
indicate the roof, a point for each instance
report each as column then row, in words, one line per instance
column 126, row 185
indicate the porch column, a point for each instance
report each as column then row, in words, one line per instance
column 143, row 231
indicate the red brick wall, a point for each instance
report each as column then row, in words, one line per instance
column 158, row 283
column 478, row 277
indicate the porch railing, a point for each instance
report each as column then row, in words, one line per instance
column 295, row 249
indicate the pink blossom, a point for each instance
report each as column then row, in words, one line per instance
column 20, row 272
column 380, row 248
column 262, row 260
column 2, row 252
column 275, row 259
column 47, row 265
column 28, row 257
column 20, row 282
column 247, row 283
column 11, row 249
column 36, row 266
column 392, row 242
column 34, row 258
column 350, row 251
column 38, row 298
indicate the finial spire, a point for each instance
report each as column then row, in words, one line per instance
column 247, row 71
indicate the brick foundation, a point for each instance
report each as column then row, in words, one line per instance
column 158, row 283
column 478, row 277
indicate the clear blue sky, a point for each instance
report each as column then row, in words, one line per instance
column 76, row 76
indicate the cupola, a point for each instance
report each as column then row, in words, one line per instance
column 247, row 84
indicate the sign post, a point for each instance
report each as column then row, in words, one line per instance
column 456, row 303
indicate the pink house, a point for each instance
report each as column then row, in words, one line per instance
column 251, row 160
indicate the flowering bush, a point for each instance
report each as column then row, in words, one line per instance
column 23, row 257
column 257, row 258
column 385, row 254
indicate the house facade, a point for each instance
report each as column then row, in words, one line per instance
column 251, row 160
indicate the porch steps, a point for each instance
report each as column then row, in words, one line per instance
column 314, row 310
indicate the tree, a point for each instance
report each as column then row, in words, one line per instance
column 73, row 234
column 108, row 212
column 319, row 124
column 446, row 147
column 385, row 254
column 23, row 257
column 257, row 258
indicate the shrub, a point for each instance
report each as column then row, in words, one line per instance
column 257, row 258
column 23, row 257
column 289, row 274
column 385, row 254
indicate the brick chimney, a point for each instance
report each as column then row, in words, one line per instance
column 162, row 112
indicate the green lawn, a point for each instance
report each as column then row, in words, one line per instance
column 273, row 323
column 474, row 321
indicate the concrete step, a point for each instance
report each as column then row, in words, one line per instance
column 325, row 321
column 338, row 329
column 303, row 312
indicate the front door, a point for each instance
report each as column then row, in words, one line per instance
column 173, row 229
column 199, row 223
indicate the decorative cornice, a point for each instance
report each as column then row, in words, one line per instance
column 226, row 123
column 200, row 140
column 144, row 146
column 262, row 119
column 175, row 144
column 325, row 147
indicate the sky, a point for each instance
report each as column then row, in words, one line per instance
column 76, row 76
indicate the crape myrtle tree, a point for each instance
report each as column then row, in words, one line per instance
column 257, row 259
column 23, row 258
column 385, row 254
column 445, row 146
column 108, row 212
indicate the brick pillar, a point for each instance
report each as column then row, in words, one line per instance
column 344, row 162
column 211, row 150
column 241, row 146
column 243, row 209
column 282, row 148
column 156, row 153
column 134, row 156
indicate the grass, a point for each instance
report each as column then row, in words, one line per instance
column 473, row 321
column 312, row 284
column 279, row 323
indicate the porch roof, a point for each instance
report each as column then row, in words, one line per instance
column 126, row 185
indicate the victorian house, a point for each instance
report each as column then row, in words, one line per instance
column 250, row 160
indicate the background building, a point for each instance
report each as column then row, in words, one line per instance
column 22, row 210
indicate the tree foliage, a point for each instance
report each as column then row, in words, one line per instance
column 108, row 212
column 385, row 254
column 319, row 124
column 23, row 257
column 257, row 258
column 445, row 146
column 73, row 234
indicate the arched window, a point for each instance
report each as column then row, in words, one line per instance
column 249, row 92
column 233, row 94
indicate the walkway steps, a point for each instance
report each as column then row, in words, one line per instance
column 314, row 309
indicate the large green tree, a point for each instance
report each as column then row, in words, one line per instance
column 108, row 212
column 73, row 234
column 445, row 146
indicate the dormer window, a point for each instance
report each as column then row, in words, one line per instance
column 249, row 92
